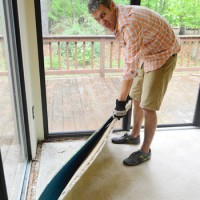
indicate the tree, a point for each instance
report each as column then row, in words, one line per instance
column 184, row 14
column 72, row 17
column 179, row 13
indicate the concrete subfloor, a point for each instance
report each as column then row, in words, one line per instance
column 171, row 174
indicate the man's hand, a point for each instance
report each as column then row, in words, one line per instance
column 122, row 107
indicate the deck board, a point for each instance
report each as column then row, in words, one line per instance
column 93, row 100
column 84, row 103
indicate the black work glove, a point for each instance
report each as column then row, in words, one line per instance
column 121, row 109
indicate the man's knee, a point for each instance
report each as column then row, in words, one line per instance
column 148, row 113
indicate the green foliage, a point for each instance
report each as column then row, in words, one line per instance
column 122, row 2
column 55, row 62
column 72, row 18
column 179, row 13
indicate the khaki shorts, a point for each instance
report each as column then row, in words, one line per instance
column 149, row 88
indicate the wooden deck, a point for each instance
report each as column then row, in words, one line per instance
column 76, row 104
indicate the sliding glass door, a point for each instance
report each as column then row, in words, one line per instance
column 13, row 141
column 83, row 66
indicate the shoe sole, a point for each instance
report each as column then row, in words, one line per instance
column 125, row 142
column 128, row 164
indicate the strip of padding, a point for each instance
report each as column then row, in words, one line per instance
column 71, row 172
column 88, row 161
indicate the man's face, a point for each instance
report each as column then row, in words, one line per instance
column 106, row 17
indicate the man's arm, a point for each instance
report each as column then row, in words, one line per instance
column 125, row 88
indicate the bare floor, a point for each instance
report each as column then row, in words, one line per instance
column 82, row 104
column 172, row 173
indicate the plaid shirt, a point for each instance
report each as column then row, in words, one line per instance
column 147, row 37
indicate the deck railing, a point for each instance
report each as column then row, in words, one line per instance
column 99, row 54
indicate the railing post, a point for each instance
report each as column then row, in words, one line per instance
column 102, row 57
column 76, row 55
column 3, row 57
column 67, row 54
column 92, row 55
column 59, row 64
column 197, row 52
column 111, row 53
column 50, row 54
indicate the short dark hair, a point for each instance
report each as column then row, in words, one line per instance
column 93, row 5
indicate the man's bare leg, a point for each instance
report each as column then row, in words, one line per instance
column 149, row 130
column 143, row 155
column 137, row 119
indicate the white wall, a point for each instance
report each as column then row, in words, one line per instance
column 31, row 70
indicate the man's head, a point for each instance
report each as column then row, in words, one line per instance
column 104, row 11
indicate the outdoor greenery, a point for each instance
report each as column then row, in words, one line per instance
column 72, row 18
column 183, row 14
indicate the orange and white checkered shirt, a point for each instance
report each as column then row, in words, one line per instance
column 147, row 38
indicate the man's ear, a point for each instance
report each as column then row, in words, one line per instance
column 112, row 5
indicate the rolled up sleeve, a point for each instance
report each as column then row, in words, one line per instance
column 132, row 36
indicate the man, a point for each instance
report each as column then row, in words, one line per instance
column 151, row 49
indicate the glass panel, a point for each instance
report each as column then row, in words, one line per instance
column 83, row 73
column 180, row 100
column 12, row 142
column 76, row 99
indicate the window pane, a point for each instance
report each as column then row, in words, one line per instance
column 180, row 100
column 12, row 140
column 77, row 99
column 83, row 73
